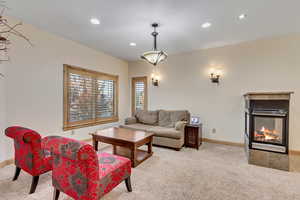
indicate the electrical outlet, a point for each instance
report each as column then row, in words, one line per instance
column 214, row 131
column 73, row 132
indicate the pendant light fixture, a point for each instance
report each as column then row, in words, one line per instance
column 154, row 57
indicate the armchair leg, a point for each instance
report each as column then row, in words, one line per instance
column 128, row 184
column 35, row 181
column 56, row 194
column 17, row 173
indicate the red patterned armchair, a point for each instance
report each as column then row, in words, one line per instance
column 81, row 173
column 29, row 154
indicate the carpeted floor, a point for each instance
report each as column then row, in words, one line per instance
column 212, row 173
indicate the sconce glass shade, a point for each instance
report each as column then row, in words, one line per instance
column 155, row 78
column 218, row 72
column 3, row 49
column 154, row 57
column 4, row 56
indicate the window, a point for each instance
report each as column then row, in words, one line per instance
column 139, row 94
column 90, row 98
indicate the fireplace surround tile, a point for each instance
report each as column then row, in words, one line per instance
column 260, row 158
column 269, row 159
column 279, row 161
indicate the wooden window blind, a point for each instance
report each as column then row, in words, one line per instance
column 139, row 94
column 90, row 98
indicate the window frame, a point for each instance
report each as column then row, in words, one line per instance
column 67, row 125
column 133, row 81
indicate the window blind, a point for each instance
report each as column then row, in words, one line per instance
column 90, row 97
column 80, row 97
column 139, row 95
column 105, row 98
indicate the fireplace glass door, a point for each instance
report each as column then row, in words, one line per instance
column 268, row 129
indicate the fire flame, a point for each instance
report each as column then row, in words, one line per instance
column 267, row 134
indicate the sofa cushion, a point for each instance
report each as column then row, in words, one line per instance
column 169, row 118
column 130, row 120
column 179, row 115
column 166, row 132
column 164, row 119
column 147, row 117
column 157, row 130
column 137, row 126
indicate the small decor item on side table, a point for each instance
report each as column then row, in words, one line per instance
column 193, row 135
column 195, row 120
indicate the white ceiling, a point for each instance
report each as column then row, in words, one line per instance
column 125, row 21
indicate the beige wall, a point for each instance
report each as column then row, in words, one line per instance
column 3, row 142
column 34, row 84
column 263, row 65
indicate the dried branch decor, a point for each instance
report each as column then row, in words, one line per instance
column 6, row 30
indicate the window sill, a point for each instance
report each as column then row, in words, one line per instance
column 77, row 126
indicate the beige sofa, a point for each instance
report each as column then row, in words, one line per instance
column 168, row 126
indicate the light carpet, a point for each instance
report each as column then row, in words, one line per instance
column 215, row 172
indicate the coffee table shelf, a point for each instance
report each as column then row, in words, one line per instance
column 141, row 155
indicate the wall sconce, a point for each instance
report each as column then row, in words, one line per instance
column 215, row 76
column 155, row 79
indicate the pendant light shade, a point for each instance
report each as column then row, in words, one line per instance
column 154, row 57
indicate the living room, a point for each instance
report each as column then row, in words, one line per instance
column 221, row 55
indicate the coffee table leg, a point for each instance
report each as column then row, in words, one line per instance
column 150, row 146
column 133, row 156
column 114, row 149
column 95, row 144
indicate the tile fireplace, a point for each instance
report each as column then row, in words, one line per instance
column 267, row 130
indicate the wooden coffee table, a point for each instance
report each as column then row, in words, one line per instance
column 126, row 143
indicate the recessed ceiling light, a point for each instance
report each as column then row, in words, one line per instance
column 206, row 25
column 242, row 16
column 95, row 21
column 132, row 44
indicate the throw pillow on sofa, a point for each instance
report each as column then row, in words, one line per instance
column 180, row 125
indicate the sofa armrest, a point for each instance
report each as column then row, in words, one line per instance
column 180, row 125
column 130, row 120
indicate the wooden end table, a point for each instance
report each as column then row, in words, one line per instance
column 193, row 135
column 126, row 143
